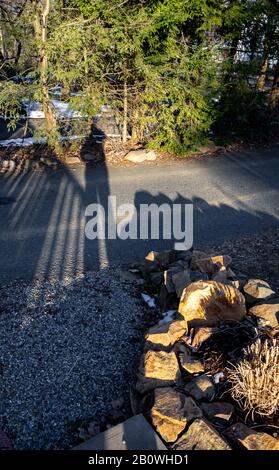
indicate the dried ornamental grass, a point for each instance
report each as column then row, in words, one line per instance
column 255, row 380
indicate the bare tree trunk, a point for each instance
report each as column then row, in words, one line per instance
column 40, row 27
column 233, row 49
column 2, row 44
column 263, row 71
column 265, row 60
column 230, row 57
column 18, row 49
column 136, row 128
column 273, row 101
column 50, row 119
column 125, row 112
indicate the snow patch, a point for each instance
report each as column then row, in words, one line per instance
column 167, row 317
column 149, row 300
column 28, row 141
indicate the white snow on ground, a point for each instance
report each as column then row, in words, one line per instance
column 62, row 110
column 167, row 317
column 149, row 300
column 17, row 142
column 32, row 141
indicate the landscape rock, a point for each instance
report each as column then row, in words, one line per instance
column 249, row 439
column 140, row 156
column 171, row 412
column 147, row 267
column 151, row 156
column 201, row 388
column 71, row 160
column 268, row 310
column 219, row 411
column 157, row 369
column 168, row 278
column 197, row 255
column 181, row 264
column 185, row 255
column 236, row 284
column 166, row 334
column 166, row 257
column 221, row 275
column 208, row 303
column 156, row 279
column 151, row 256
column 165, row 298
column 181, row 280
column 190, row 363
column 256, row 290
column 201, row 335
column 139, row 403
column 198, row 276
column 212, row 264
column 201, row 436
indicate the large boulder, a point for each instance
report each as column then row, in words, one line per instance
column 208, row 303
column 268, row 310
column 157, row 369
column 164, row 336
column 171, row 412
column 201, row 436
column 249, row 439
column 256, row 290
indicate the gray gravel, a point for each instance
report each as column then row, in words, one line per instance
column 67, row 349
column 257, row 255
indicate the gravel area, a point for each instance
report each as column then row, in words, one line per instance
column 257, row 256
column 67, row 349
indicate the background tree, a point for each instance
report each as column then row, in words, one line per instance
column 173, row 71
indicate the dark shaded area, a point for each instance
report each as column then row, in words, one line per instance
column 21, row 130
column 42, row 232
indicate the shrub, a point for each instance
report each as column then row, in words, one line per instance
column 255, row 379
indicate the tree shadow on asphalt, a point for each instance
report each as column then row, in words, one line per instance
column 43, row 220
